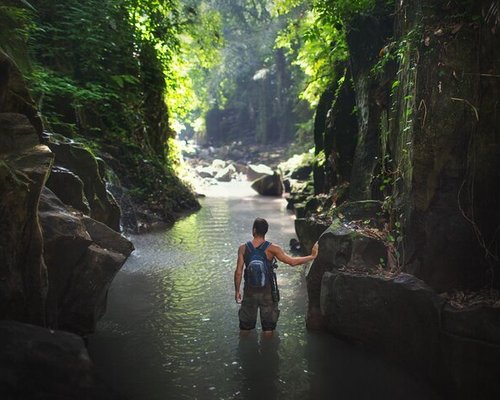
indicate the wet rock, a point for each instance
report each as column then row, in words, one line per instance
column 24, row 167
column 258, row 171
column 300, row 192
column 399, row 316
column 218, row 164
column 38, row 363
column 469, row 353
column 340, row 245
column 226, row 174
column 205, row 172
column 80, row 161
column 303, row 172
column 269, row 185
column 14, row 95
column 65, row 241
column 69, row 188
column 107, row 238
column 308, row 231
column 85, row 302
column 82, row 257
column 16, row 133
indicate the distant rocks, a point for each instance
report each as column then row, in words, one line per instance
column 258, row 171
column 229, row 163
column 269, row 185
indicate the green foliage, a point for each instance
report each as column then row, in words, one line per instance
column 315, row 39
column 14, row 24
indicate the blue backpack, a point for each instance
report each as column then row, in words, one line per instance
column 257, row 265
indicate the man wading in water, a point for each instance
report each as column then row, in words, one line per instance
column 257, row 256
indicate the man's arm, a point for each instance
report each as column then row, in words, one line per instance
column 238, row 273
column 278, row 252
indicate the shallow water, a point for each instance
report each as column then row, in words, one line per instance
column 171, row 328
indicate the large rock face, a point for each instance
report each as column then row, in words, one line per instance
column 398, row 316
column 343, row 246
column 82, row 257
column 403, row 318
column 24, row 167
column 81, row 162
column 38, row 363
column 449, row 185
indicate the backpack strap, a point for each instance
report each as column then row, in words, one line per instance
column 250, row 246
column 265, row 245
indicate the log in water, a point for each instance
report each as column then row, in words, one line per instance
column 171, row 329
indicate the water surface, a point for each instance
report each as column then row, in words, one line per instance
column 171, row 328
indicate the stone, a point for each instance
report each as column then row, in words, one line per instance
column 269, row 185
column 80, row 161
column 470, row 351
column 218, row 164
column 85, row 302
column 39, row 363
column 303, row 172
column 107, row 238
column 340, row 245
column 226, row 174
column 205, row 172
column 258, row 171
column 23, row 171
column 398, row 316
column 82, row 257
column 14, row 95
column 309, row 230
column 69, row 188
column 65, row 241
column 16, row 133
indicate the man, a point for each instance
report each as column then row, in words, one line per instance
column 255, row 298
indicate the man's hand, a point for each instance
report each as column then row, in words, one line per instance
column 314, row 251
column 237, row 297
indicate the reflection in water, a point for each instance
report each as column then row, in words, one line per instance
column 171, row 328
column 259, row 362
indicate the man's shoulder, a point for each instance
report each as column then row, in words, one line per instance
column 274, row 247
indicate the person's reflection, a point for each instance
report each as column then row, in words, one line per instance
column 259, row 361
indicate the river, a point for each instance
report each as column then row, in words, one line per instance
column 171, row 327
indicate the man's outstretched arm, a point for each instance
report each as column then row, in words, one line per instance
column 278, row 252
column 238, row 273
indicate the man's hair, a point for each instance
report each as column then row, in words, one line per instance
column 260, row 226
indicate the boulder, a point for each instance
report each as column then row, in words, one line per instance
column 81, row 161
column 218, row 164
column 302, row 172
column 226, row 174
column 39, row 363
column 24, row 167
column 269, row 185
column 107, row 238
column 85, row 302
column 470, row 352
column 398, row 316
column 82, row 257
column 308, row 230
column 65, row 241
column 16, row 133
column 69, row 188
column 457, row 350
column 258, row 171
column 205, row 172
column 340, row 245
column 14, row 95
